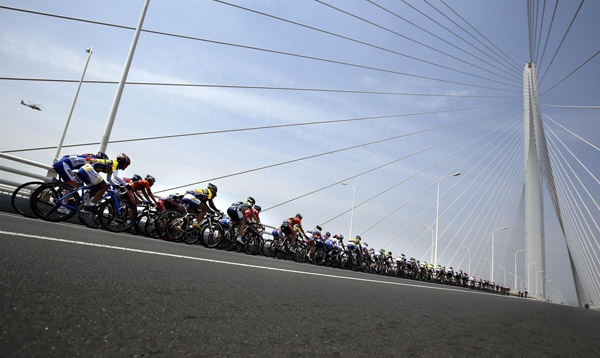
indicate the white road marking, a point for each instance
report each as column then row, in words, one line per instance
column 74, row 242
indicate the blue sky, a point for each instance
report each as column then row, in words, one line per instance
column 489, row 151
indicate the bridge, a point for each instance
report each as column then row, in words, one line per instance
column 462, row 135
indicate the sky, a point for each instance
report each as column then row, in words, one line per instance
column 435, row 102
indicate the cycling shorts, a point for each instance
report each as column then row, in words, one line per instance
column 89, row 175
column 235, row 213
column 191, row 202
column 65, row 172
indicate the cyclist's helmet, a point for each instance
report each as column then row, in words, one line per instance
column 136, row 177
column 319, row 228
column 257, row 207
column 358, row 237
column 123, row 160
column 341, row 237
column 212, row 188
column 365, row 244
column 151, row 179
column 251, row 200
column 328, row 234
column 299, row 216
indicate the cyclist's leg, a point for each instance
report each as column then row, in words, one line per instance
column 64, row 171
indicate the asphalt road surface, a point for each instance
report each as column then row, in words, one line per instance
column 67, row 291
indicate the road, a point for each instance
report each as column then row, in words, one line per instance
column 70, row 291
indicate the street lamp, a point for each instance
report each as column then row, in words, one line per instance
column 64, row 133
column 437, row 216
column 529, row 269
column 351, row 215
column 516, row 272
column 500, row 228
column 469, row 252
column 432, row 238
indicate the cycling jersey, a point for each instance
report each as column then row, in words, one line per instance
column 107, row 166
column 248, row 214
column 202, row 194
column 138, row 184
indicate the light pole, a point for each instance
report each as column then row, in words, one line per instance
column 469, row 252
column 529, row 269
column 64, row 133
column 516, row 272
column 432, row 238
column 504, row 271
column 488, row 260
column 351, row 215
column 437, row 216
column 493, row 232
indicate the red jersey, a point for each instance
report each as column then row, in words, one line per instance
column 294, row 221
column 249, row 216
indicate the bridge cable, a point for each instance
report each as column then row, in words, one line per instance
column 417, row 42
column 265, row 50
column 418, row 194
column 517, row 67
column 548, row 34
column 404, row 180
column 480, row 34
column 252, row 87
column 358, row 41
column 433, row 202
column 571, row 132
column 253, row 128
column 428, row 32
column 539, row 40
column 321, row 154
column 561, row 42
column 570, row 73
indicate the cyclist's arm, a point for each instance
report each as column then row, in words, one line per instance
column 211, row 204
column 115, row 179
column 147, row 193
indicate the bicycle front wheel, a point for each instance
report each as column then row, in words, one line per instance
column 117, row 220
column 212, row 235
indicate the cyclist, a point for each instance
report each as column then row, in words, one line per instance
column 256, row 211
column 287, row 228
column 315, row 235
column 195, row 201
column 141, row 187
column 237, row 213
column 65, row 166
column 90, row 174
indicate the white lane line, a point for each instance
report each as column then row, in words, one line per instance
column 233, row 263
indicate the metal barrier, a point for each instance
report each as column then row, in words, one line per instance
column 51, row 173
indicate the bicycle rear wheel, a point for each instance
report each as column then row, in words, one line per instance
column 20, row 199
column 212, row 235
column 253, row 243
column 54, row 202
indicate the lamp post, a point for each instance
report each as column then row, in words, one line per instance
column 437, row 216
column 493, row 232
column 432, row 238
column 64, row 133
column 516, row 272
column 529, row 269
column 352, row 214
column 469, row 252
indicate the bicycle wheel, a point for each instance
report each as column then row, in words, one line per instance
column 253, row 243
column 117, row 220
column 212, row 235
column 161, row 221
column 150, row 226
column 20, row 198
column 173, row 227
column 140, row 224
column 267, row 247
column 54, row 202
column 88, row 218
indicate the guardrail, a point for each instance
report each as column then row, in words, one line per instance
column 50, row 170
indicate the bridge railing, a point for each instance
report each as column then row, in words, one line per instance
column 10, row 183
